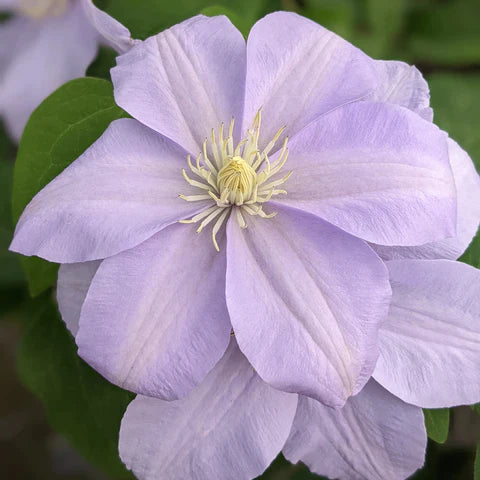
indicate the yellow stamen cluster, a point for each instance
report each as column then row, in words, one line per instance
column 235, row 178
column 43, row 8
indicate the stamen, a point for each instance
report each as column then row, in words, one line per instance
column 194, row 183
column 240, row 219
column 217, row 226
column 206, row 159
column 199, row 216
column 216, row 156
column 220, row 134
column 232, row 178
column 276, row 182
column 250, row 210
column 230, row 137
column 262, row 214
column 267, row 198
column 271, row 144
column 194, row 198
column 213, row 215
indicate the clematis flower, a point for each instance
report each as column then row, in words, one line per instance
column 181, row 226
column 45, row 44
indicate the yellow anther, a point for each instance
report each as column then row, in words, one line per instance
column 236, row 178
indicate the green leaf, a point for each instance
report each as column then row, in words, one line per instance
column 386, row 21
column 336, row 15
column 58, row 131
column 456, row 103
column 102, row 65
column 149, row 17
column 7, row 148
column 11, row 274
column 282, row 469
column 242, row 22
column 446, row 33
column 80, row 404
column 437, row 423
column 476, row 468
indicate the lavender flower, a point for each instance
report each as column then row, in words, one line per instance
column 45, row 44
column 284, row 255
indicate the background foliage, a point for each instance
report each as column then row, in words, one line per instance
column 442, row 37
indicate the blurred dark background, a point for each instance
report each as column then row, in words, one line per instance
column 441, row 37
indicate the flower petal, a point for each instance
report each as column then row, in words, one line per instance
column 297, row 70
column 430, row 344
column 113, row 32
column 305, row 301
column 231, row 427
column 184, row 81
column 14, row 36
column 9, row 4
column 51, row 52
column 155, row 319
column 467, row 182
column 375, row 436
column 74, row 280
column 402, row 84
column 120, row 192
column 377, row 171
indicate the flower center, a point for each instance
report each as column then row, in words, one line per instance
column 239, row 179
column 43, row 8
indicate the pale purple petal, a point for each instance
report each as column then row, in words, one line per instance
column 230, row 428
column 184, row 81
column 15, row 34
column 467, row 183
column 402, row 84
column 120, row 192
column 74, row 280
column 375, row 436
column 430, row 344
column 8, row 4
column 113, row 33
column 298, row 70
column 58, row 49
column 305, row 301
column 377, row 171
column 155, row 319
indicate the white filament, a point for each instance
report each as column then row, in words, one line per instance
column 235, row 177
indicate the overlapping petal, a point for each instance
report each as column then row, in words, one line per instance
column 305, row 301
column 155, row 319
column 430, row 344
column 297, row 70
column 467, row 182
column 377, row 171
column 74, row 280
column 402, row 84
column 231, row 427
column 113, row 33
column 184, row 81
column 120, row 192
column 47, row 54
column 375, row 436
